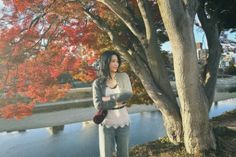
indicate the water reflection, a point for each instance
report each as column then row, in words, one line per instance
column 222, row 106
column 145, row 127
column 81, row 139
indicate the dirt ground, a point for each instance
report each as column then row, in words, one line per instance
column 225, row 132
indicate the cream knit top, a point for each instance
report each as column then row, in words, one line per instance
column 116, row 118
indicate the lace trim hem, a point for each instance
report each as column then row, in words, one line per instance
column 116, row 126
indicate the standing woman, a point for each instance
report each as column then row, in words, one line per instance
column 111, row 91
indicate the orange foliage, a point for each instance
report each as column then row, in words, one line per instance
column 21, row 5
column 17, row 111
column 42, row 39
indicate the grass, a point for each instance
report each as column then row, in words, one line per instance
column 226, row 147
column 225, row 140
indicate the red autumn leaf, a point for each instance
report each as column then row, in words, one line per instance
column 44, row 39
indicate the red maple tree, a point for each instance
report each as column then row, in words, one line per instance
column 40, row 40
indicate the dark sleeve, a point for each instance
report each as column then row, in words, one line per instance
column 97, row 98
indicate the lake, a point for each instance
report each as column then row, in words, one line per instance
column 81, row 139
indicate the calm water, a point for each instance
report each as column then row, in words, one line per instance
column 81, row 139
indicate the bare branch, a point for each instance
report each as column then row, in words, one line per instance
column 124, row 14
column 36, row 20
column 146, row 15
column 211, row 30
column 191, row 6
column 40, row 39
column 101, row 24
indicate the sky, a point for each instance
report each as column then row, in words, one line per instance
column 1, row 6
column 200, row 37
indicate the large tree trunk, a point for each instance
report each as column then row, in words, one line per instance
column 155, row 80
column 178, row 20
column 168, row 107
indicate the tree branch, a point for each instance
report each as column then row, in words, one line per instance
column 211, row 30
column 124, row 14
column 191, row 6
column 101, row 24
column 147, row 18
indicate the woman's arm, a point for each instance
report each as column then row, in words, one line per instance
column 109, row 102
column 100, row 101
column 127, row 92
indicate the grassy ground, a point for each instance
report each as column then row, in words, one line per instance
column 225, row 137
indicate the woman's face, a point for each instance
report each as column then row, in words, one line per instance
column 114, row 64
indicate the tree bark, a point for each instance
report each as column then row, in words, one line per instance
column 212, row 32
column 168, row 108
column 147, row 64
column 198, row 136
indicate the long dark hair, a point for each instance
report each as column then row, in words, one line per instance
column 105, row 60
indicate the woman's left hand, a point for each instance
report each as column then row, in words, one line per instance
column 119, row 104
column 106, row 98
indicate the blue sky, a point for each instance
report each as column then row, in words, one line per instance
column 200, row 37
column 1, row 6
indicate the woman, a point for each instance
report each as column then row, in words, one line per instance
column 111, row 92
